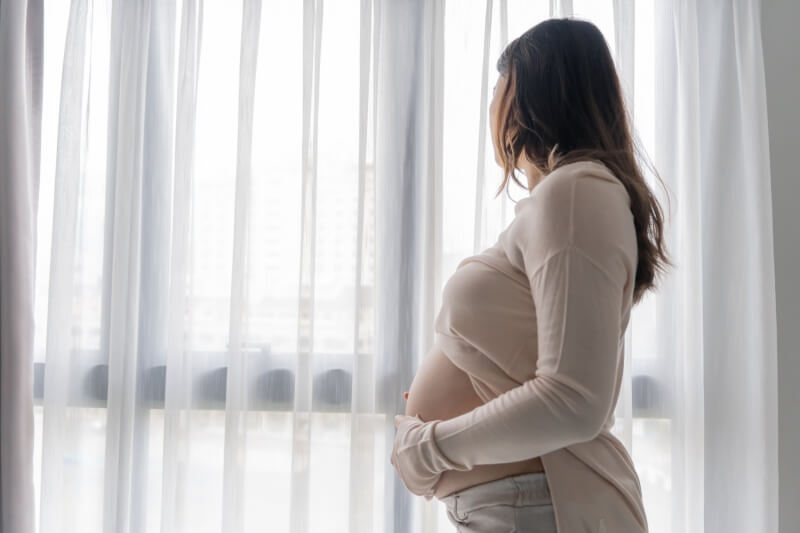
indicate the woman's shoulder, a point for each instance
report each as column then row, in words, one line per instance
column 589, row 172
column 580, row 204
column 579, row 185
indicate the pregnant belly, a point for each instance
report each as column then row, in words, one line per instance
column 441, row 391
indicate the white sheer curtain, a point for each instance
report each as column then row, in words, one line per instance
column 247, row 213
column 717, row 331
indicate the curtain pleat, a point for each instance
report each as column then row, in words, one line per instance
column 561, row 8
column 236, row 385
column 483, row 113
column 178, row 382
column 678, row 138
column 406, row 195
column 361, row 486
column 624, row 46
column 433, row 202
column 301, row 429
column 69, row 173
column 738, row 270
column 135, row 275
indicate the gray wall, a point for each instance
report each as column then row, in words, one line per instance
column 781, row 39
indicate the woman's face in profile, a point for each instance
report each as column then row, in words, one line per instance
column 497, row 91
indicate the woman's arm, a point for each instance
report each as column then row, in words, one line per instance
column 574, row 244
column 578, row 321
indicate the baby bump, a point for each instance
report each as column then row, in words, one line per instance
column 441, row 391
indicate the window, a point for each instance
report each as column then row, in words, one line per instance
column 298, row 289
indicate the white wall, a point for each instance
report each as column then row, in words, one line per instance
column 781, row 41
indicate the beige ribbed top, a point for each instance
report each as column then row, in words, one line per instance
column 537, row 321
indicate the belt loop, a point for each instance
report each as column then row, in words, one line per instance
column 457, row 514
column 517, row 491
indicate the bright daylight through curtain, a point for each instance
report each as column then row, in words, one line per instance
column 247, row 213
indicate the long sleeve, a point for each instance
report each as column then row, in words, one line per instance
column 573, row 240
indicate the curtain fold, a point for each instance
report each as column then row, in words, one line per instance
column 236, row 384
column 69, row 168
column 408, row 199
column 718, row 332
column 21, row 56
column 177, row 382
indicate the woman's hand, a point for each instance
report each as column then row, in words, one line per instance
column 416, row 457
column 417, row 474
column 404, row 423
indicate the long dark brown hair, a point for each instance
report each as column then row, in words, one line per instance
column 563, row 102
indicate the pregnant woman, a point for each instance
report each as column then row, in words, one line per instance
column 508, row 420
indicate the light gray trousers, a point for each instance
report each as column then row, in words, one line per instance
column 515, row 504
